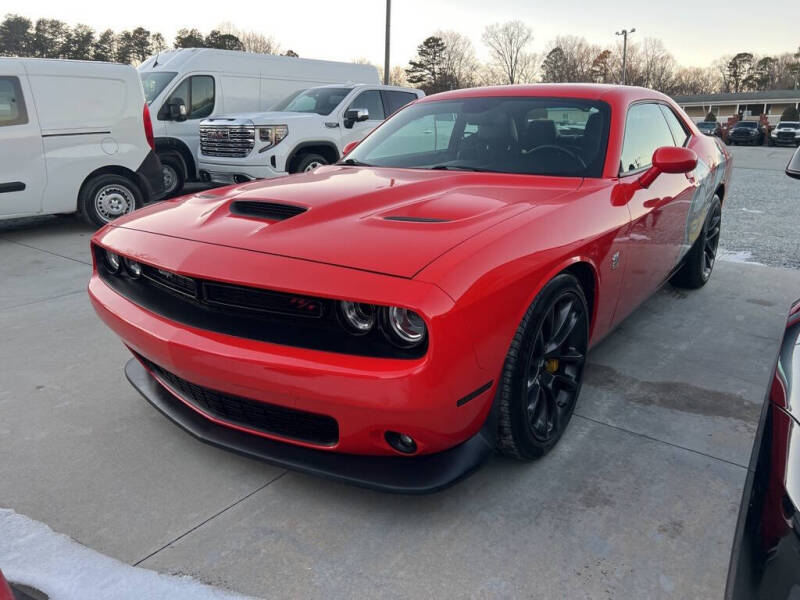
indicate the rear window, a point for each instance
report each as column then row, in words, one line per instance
column 12, row 104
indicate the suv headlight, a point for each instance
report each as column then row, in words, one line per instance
column 272, row 134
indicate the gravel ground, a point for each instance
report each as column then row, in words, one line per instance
column 761, row 214
column 761, row 217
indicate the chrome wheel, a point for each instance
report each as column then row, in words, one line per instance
column 555, row 366
column 112, row 201
column 313, row 165
column 711, row 240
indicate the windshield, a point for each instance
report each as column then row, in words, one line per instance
column 788, row 124
column 317, row 100
column 707, row 125
column 154, row 84
column 280, row 106
column 745, row 125
column 534, row 136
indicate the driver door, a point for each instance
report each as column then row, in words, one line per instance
column 199, row 94
column 370, row 100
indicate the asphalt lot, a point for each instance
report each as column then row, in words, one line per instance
column 639, row 500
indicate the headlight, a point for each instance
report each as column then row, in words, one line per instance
column 358, row 318
column 272, row 134
column 134, row 268
column 112, row 261
column 406, row 327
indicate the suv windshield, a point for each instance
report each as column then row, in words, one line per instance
column 154, row 84
column 317, row 100
column 707, row 125
column 533, row 136
column 793, row 124
column 745, row 125
column 281, row 106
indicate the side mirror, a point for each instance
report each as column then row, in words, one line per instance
column 177, row 109
column 355, row 115
column 793, row 168
column 348, row 148
column 668, row 159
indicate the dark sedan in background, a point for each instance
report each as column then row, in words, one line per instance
column 765, row 563
column 746, row 132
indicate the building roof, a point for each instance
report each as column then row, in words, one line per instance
column 741, row 97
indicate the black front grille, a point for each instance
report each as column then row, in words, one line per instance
column 786, row 135
column 271, row 211
column 260, row 416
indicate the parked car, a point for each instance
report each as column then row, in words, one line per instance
column 74, row 136
column 765, row 560
column 310, row 131
column 712, row 128
column 785, row 132
column 187, row 85
column 746, row 132
column 393, row 319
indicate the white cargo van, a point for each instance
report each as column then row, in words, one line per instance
column 74, row 135
column 188, row 85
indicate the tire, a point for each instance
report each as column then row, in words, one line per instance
column 106, row 197
column 539, row 387
column 309, row 162
column 174, row 174
column 699, row 263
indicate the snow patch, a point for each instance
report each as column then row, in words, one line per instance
column 33, row 554
column 737, row 256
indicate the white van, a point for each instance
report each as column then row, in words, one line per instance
column 74, row 135
column 188, row 85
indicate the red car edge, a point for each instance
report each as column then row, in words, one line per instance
column 393, row 319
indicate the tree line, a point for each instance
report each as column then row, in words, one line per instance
column 51, row 38
column 447, row 60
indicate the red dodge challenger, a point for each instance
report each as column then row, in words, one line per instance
column 393, row 319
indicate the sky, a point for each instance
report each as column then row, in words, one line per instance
column 696, row 33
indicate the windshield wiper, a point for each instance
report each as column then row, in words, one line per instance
column 460, row 168
column 352, row 162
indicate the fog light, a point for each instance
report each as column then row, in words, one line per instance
column 112, row 261
column 401, row 442
column 133, row 267
column 358, row 317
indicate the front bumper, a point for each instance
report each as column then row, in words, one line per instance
column 367, row 396
column 226, row 173
column 398, row 474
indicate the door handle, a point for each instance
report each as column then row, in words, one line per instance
column 11, row 186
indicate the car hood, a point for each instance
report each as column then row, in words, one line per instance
column 264, row 118
column 392, row 221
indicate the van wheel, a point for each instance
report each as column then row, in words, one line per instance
column 309, row 162
column 172, row 172
column 106, row 197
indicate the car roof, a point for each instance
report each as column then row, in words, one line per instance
column 613, row 94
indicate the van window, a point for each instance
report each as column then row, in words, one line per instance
column 12, row 104
column 197, row 93
column 154, row 83
column 371, row 100
column 675, row 125
column 645, row 130
column 397, row 100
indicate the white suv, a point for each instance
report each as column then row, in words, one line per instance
column 308, row 129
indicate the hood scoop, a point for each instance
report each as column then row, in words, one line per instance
column 416, row 219
column 271, row 211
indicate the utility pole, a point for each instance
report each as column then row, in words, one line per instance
column 388, row 30
column 624, row 33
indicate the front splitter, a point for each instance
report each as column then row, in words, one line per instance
column 397, row 474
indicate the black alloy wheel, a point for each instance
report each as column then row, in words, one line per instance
column 711, row 239
column 699, row 261
column 544, row 370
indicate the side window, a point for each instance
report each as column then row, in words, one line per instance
column 12, row 104
column 678, row 130
column 197, row 92
column 645, row 130
column 371, row 100
column 397, row 100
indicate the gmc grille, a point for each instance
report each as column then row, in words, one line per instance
column 230, row 141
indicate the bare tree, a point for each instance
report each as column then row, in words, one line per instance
column 570, row 59
column 252, row 41
column 509, row 45
column 459, row 58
